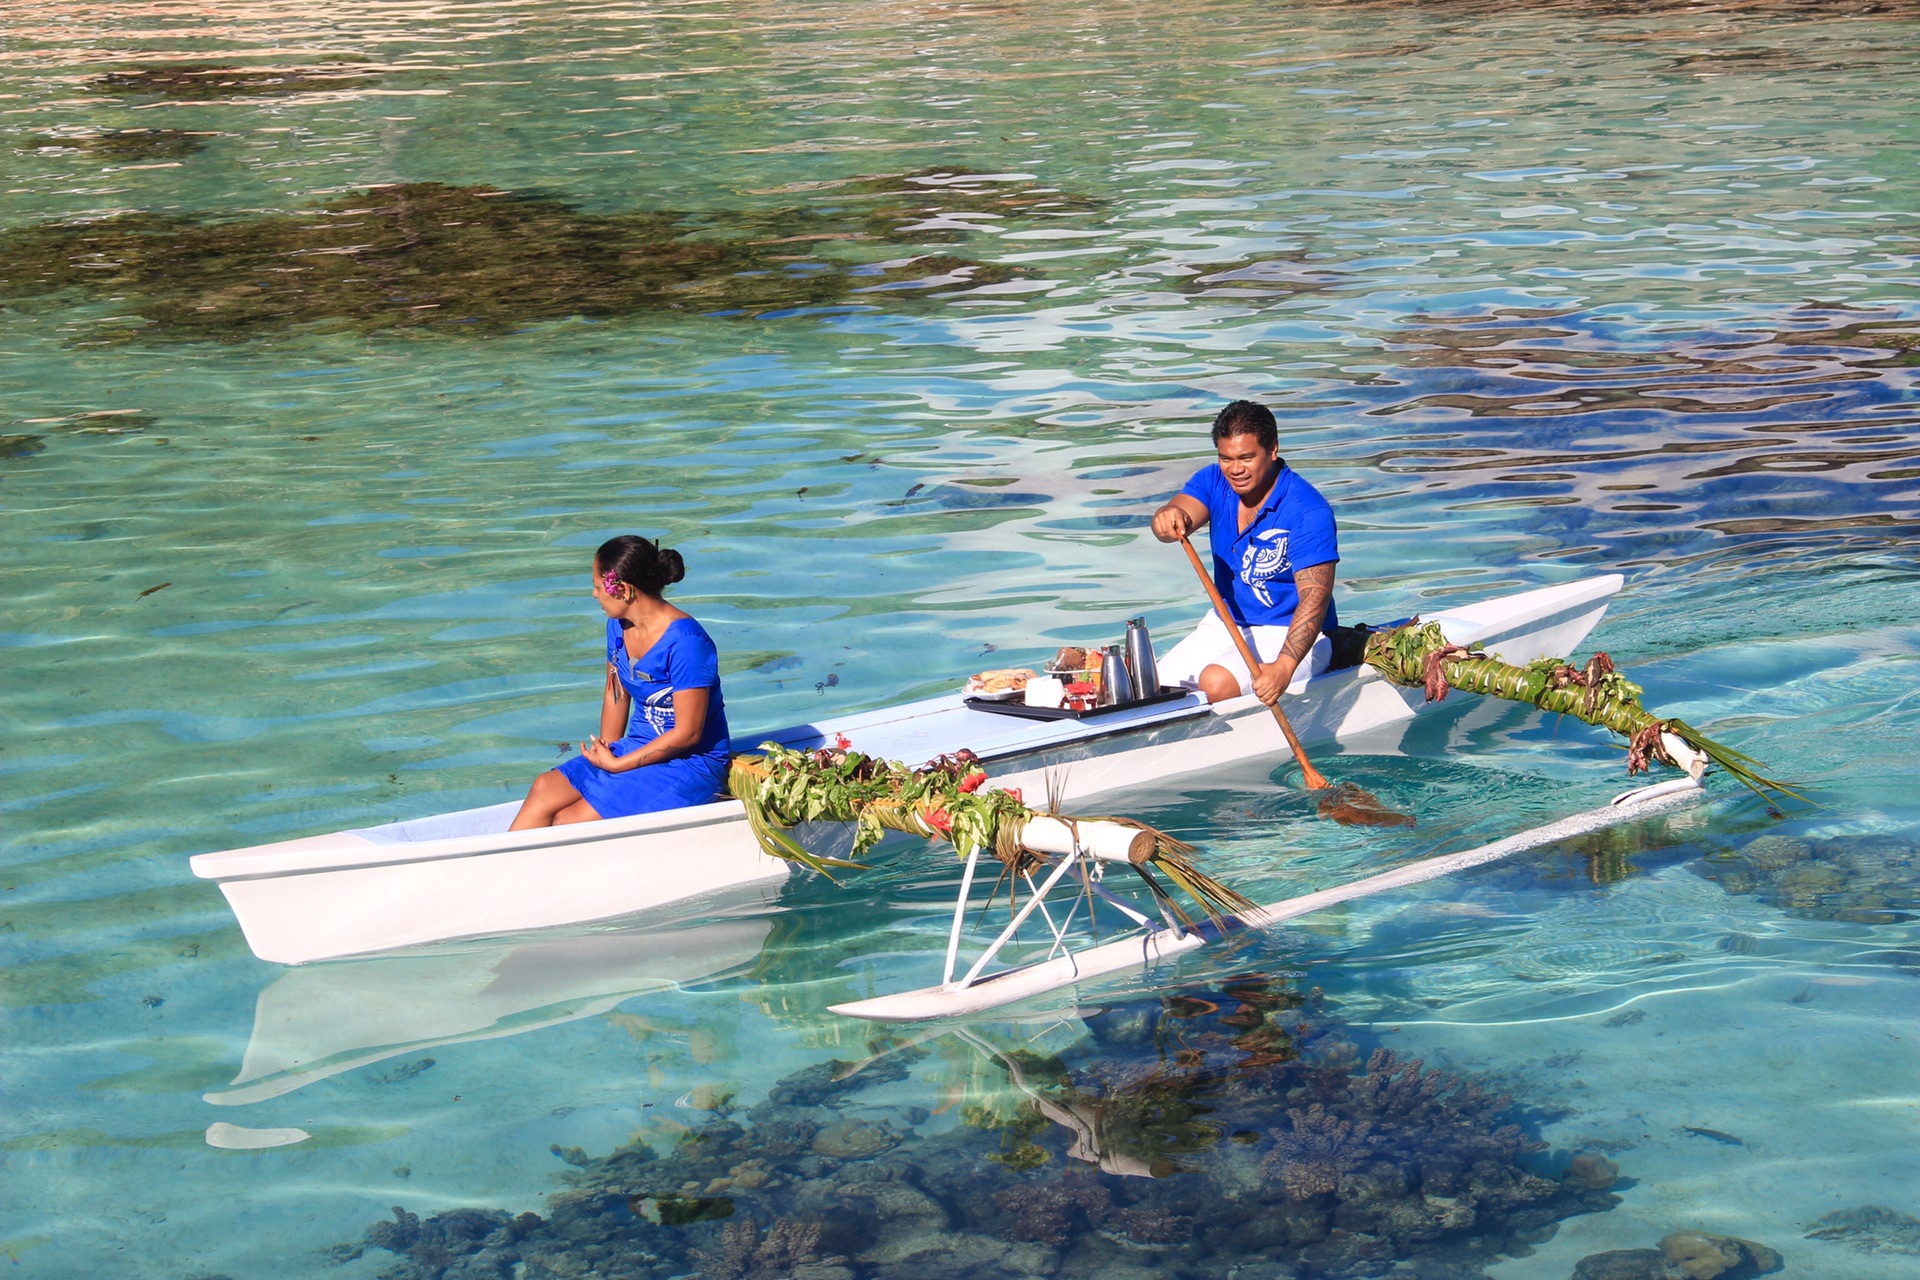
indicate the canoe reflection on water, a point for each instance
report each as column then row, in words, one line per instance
column 317, row 1021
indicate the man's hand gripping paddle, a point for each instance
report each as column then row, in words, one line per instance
column 1346, row 803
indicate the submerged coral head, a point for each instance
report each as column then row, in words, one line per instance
column 427, row 256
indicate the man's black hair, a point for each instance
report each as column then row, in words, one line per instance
column 1246, row 418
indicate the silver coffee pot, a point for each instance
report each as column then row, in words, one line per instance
column 1140, row 665
column 1116, row 686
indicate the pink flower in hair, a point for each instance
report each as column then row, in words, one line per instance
column 610, row 582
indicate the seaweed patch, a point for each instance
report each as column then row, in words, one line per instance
column 431, row 257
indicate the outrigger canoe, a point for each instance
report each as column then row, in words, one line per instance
column 464, row 875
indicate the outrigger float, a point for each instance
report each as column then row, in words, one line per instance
column 463, row 875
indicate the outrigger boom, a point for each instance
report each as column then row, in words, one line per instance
column 979, row 992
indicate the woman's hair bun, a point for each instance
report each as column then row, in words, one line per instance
column 672, row 567
column 641, row 564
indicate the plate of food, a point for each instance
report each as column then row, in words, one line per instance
column 1003, row 685
column 1073, row 663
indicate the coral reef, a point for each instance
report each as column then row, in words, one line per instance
column 124, row 144
column 1060, row 1211
column 1865, row 879
column 1198, row 1137
column 444, row 1241
column 425, row 256
column 208, row 81
column 1702, row 1256
column 1870, row 1229
column 780, row 1251
column 1390, row 1109
column 1625, row 1264
column 1684, row 1255
column 777, row 1138
column 1591, row 1170
column 1312, row 1153
column 1434, row 1111
column 823, row 1083
column 853, row 1139
column 1399, row 1156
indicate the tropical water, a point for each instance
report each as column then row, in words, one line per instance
column 325, row 371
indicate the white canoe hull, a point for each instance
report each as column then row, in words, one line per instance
column 462, row 875
column 344, row 895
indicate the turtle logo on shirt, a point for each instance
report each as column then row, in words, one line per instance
column 1265, row 559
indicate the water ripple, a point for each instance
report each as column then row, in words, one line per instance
column 1537, row 292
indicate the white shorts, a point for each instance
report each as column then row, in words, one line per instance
column 1211, row 645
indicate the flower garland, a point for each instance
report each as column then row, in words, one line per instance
column 783, row 788
column 945, row 799
column 1419, row 654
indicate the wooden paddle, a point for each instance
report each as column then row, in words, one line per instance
column 1348, row 804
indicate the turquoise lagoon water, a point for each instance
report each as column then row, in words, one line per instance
column 1539, row 291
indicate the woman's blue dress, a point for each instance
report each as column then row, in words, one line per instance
column 684, row 657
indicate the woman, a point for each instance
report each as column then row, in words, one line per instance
column 672, row 749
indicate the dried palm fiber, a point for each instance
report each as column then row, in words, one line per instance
column 782, row 788
column 1418, row 654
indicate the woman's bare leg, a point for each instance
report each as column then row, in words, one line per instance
column 549, row 796
column 580, row 811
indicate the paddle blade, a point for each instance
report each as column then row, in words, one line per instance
column 1352, row 806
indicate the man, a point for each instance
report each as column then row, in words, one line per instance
column 1273, row 555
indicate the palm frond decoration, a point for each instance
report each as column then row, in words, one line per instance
column 1417, row 654
column 944, row 799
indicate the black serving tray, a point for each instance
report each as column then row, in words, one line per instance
column 1025, row 712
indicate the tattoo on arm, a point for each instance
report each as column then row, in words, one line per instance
column 1315, row 585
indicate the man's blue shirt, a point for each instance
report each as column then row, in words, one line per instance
column 1254, row 567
